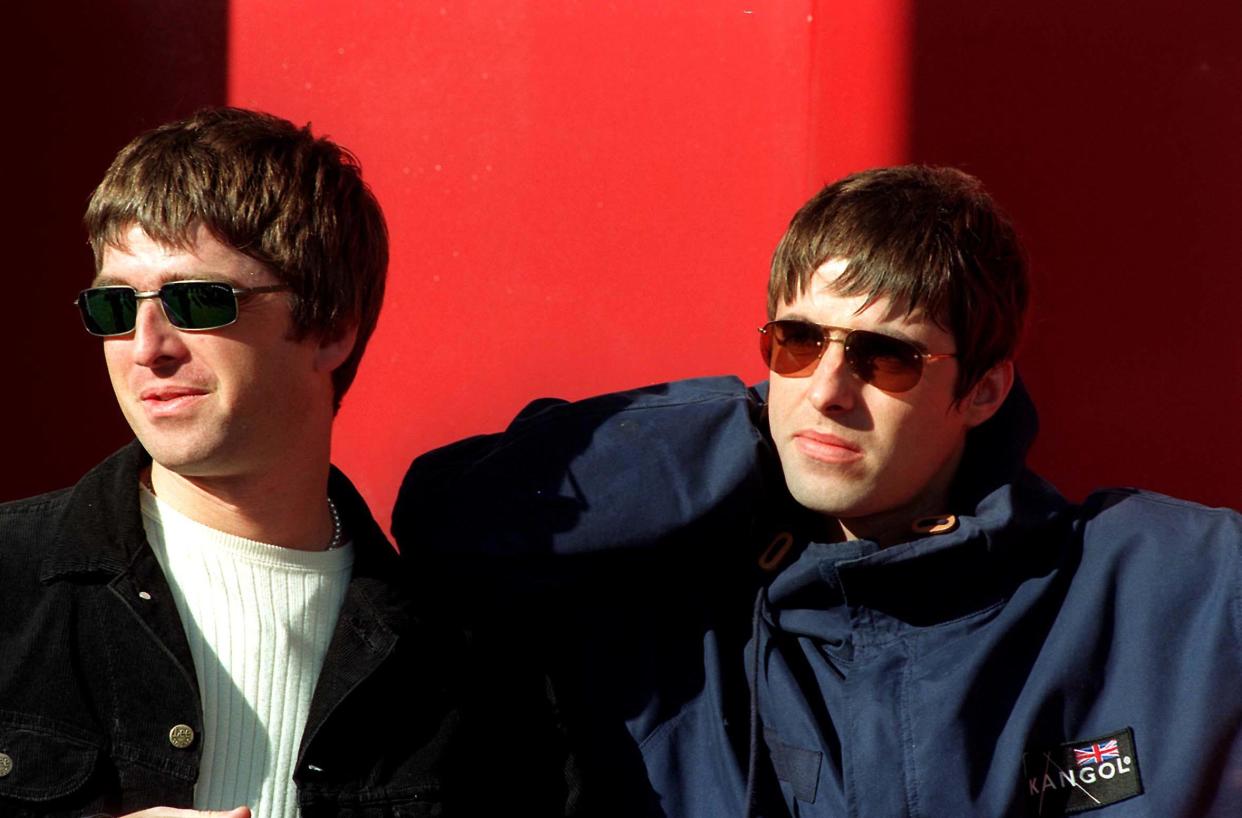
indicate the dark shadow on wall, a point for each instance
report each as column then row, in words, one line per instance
column 1110, row 132
column 87, row 77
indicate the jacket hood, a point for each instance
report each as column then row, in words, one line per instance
column 996, row 450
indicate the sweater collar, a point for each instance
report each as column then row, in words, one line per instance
column 100, row 530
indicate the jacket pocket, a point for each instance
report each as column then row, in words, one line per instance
column 41, row 762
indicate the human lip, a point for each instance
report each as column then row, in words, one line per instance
column 163, row 401
column 826, row 447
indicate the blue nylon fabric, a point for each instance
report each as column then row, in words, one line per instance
column 618, row 536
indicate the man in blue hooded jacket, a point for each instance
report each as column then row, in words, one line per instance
column 844, row 594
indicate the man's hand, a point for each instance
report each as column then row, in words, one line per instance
column 169, row 812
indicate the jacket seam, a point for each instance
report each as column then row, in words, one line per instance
column 909, row 768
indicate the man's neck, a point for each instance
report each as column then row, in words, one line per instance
column 289, row 508
column 898, row 525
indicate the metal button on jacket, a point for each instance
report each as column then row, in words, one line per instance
column 181, row 736
column 6, row 764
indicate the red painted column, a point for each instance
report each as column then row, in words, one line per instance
column 582, row 197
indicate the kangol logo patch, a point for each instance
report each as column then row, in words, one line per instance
column 1081, row 775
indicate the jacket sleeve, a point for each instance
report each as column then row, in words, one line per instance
column 629, row 470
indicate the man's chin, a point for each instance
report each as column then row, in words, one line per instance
column 186, row 458
column 828, row 498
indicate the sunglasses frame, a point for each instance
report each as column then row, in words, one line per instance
column 768, row 341
column 139, row 295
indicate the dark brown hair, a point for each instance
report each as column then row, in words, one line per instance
column 925, row 238
column 270, row 190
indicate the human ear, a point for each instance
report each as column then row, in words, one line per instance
column 332, row 351
column 986, row 396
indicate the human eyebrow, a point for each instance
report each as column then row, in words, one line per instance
column 794, row 316
column 894, row 333
column 882, row 330
column 901, row 336
column 106, row 280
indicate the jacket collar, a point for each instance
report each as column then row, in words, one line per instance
column 100, row 530
column 380, row 576
column 1006, row 523
column 996, row 450
column 100, row 533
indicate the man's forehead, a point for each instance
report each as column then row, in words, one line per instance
column 134, row 235
column 824, row 288
column 200, row 255
column 826, row 274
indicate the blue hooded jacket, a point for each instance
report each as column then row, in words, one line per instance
column 710, row 657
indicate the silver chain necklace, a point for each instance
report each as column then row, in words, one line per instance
column 335, row 542
column 336, row 526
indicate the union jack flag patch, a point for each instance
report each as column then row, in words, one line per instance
column 1081, row 775
column 1097, row 753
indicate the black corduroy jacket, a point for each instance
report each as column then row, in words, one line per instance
column 100, row 711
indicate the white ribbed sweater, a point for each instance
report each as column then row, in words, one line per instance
column 258, row 618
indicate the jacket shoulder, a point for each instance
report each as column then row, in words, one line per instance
column 617, row 470
column 1137, row 515
column 27, row 524
column 1170, row 553
column 36, row 503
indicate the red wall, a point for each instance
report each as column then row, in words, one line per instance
column 92, row 76
column 584, row 196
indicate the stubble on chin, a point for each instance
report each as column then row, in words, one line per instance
column 827, row 489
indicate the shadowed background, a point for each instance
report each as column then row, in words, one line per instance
column 584, row 197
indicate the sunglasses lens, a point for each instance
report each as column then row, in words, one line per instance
column 108, row 310
column 187, row 304
column 886, row 362
column 791, row 348
column 199, row 304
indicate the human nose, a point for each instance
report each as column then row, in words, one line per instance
column 833, row 387
column 156, row 341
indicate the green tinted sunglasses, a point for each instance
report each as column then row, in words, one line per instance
column 188, row 305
